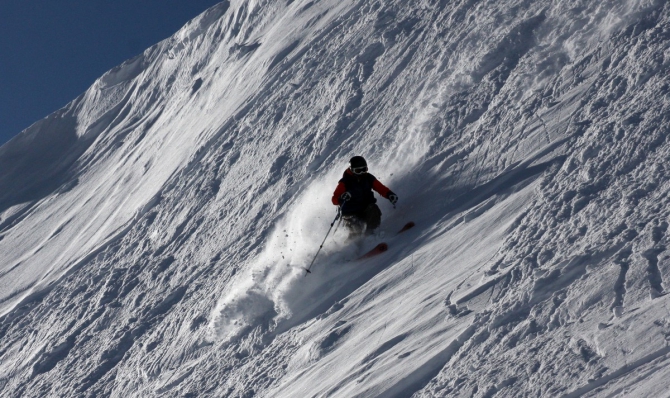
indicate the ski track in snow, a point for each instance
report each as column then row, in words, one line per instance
column 153, row 232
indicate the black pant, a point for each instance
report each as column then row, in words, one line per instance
column 365, row 221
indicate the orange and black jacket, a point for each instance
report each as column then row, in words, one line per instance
column 360, row 187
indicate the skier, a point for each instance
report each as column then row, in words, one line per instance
column 356, row 200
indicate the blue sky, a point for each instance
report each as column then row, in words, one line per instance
column 52, row 51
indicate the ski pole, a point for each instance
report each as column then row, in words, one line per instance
column 339, row 208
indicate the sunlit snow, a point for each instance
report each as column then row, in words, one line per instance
column 154, row 232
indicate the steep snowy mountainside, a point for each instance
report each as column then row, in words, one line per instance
column 157, row 247
column 75, row 178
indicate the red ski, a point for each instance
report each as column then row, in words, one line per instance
column 407, row 226
column 380, row 248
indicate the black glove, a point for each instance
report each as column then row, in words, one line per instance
column 345, row 197
column 393, row 198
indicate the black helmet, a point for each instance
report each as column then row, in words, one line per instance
column 358, row 165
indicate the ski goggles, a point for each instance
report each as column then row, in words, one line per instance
column 359, row 170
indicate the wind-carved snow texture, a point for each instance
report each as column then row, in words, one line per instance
column 153, row 233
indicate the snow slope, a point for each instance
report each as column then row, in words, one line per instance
column 152, row 233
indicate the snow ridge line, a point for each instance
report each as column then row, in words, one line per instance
column 654, row 273
column 483, row 287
